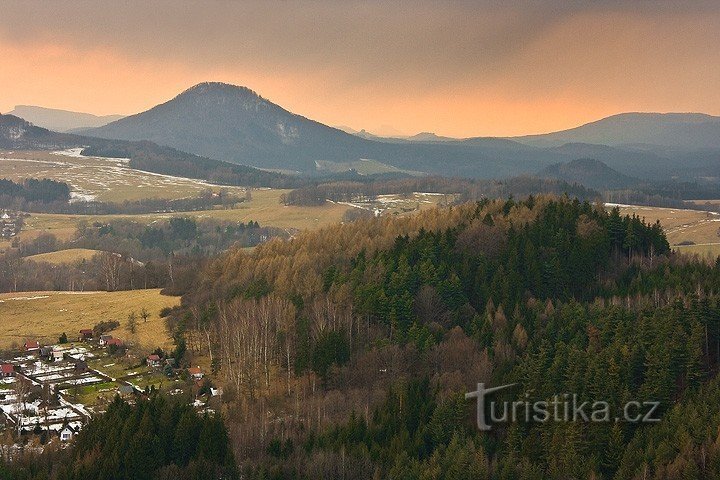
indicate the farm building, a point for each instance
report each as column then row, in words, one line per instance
column 7, row 370
column 86, row 334
column 31, row 346
column 104, row 339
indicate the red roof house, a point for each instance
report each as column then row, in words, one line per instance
column 7, row 370
column 31, row 346
column 153, row 360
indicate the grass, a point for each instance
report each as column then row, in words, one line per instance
column 681, row 225
column 105, row 179
column 71, row 255
column 699, row 227
column 265, row 208
column 46, row 315
column 92, row 395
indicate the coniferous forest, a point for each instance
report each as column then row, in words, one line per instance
column 346, row 353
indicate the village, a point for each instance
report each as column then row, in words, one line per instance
column 49, row 392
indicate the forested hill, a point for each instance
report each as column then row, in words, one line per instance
column 346, row 352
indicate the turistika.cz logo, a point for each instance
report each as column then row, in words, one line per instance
column 561, row 408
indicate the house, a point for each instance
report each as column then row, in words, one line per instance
column 114, row 341
column 105, row 338
column 86, row 334
column 196, row 373
column 125, row 390
column 58, row 355
column 31, row 346
column 67, row 433
column 46, row 352
column 7, row 370
column 154, row 360
column 81, row 366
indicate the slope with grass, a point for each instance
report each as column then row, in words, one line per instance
column 71, row 255
column 46, row 315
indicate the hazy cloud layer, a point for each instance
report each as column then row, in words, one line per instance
column 463, row 67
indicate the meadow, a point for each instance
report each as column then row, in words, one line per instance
column 99, row 178
column 44, row 316
column 688, row 231
column 71, row 255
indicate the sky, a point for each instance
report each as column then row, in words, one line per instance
column 457, row 68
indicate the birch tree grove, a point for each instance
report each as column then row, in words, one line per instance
column 250, row 334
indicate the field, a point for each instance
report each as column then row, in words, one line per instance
column 46, row 315
column 98, row 178
column 684, row 226
column 70, row 255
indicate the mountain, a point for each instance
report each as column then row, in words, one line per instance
column 589, row 173
column 684, row 130
column 235, row 124
column 430, row 137
column 61, row 120
column 19, row 134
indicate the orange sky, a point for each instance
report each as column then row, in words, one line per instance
column 458, row 68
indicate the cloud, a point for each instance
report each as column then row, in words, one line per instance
column 377, row 56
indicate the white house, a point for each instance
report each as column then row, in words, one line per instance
column 67, row 433
column 58, row 355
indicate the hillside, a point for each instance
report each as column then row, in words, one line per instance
column 685, row 130
column 395, row 320
column 19, row 134
column 235, row 124
column 590, row 173
column 61, row 120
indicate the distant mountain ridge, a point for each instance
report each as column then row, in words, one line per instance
column 235, row 124
column 684, row 130
column 61, row 120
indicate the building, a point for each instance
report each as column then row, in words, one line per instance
column 58, row 355
column 105, row 338
column 114, row 341
column 196, row 373
column 125, row 390
column 10, row 224
column 86, row 334
column 31, row 346
column 154, row 360
column 81, row 366
column 67, row 433
column 7, row 370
